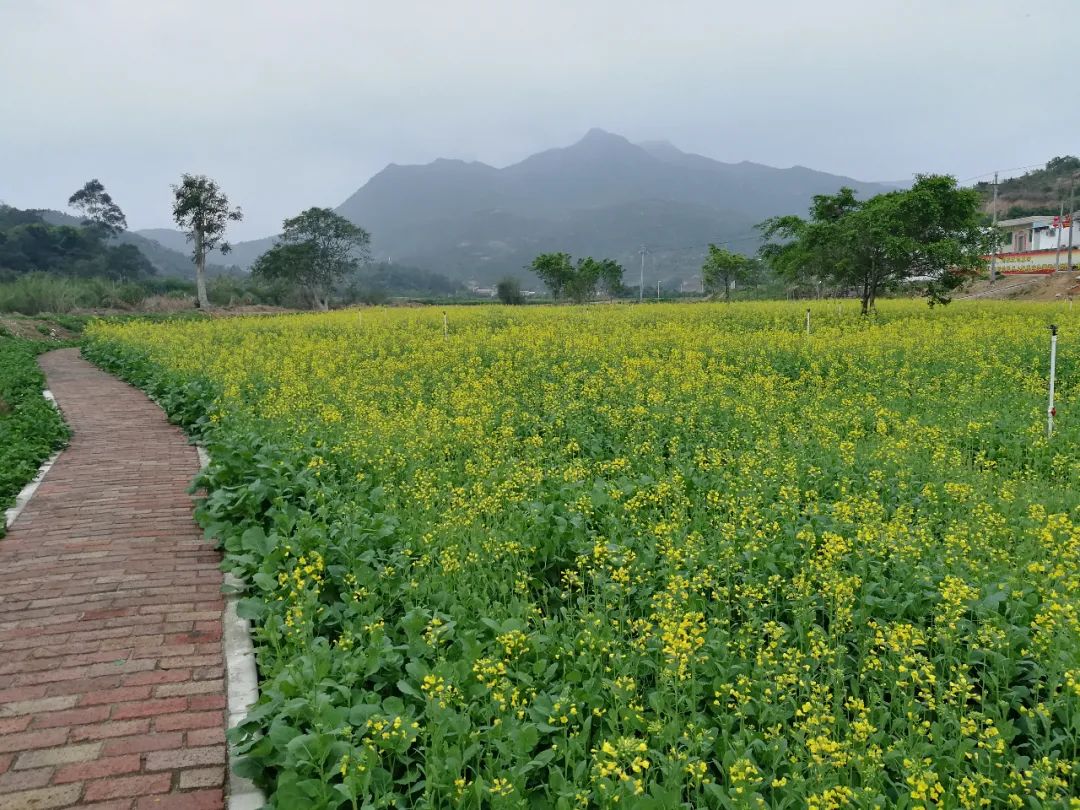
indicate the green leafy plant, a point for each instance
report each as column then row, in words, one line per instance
column 31, row 429
column 646, row 557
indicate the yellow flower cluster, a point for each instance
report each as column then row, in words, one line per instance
column 671, row 555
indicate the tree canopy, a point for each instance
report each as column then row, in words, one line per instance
column 931, row 232
column 201, row 209
column 98, row 209
column 316, row 250
column 28, row 244
column 723, row 269
column 580, row 281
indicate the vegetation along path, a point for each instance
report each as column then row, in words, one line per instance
column 111, row 667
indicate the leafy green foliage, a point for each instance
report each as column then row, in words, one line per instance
column 30, row 428
column 29, row 245
column 201, row 209
column 555, row 270
column 723, row 269
column 317, row 249
column 580, row 282
column 97, row 206
column 687, row 556
column 932, row 231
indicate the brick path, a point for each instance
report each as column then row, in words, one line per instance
column 111, row 667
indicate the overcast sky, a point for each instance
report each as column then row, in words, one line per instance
column 292, row 104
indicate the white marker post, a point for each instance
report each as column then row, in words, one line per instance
column 1050, row 413
column 808, row 321
column 445, row 327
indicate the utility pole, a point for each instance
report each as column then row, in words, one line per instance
column 993, row 256
column 641, row 283
column 1061, row 224
column 1072, row 207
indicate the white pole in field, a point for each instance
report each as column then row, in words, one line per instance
column 808, row 321
column 1050, row 413
column 445, row 327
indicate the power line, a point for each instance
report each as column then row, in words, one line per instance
column 1002, row 171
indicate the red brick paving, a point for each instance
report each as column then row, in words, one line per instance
column 111, row 667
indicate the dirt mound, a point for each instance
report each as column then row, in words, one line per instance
column 1052, row 287
column 44, row 329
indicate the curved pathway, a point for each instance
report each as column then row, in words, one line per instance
column 111, row 665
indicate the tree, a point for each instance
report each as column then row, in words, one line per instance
column 202, row 210
column 509, row 291
column 592, row 275
column 580, row 281
column 127, row 263
column 722, row 269
column 555, row 270
column 28, row 244
column 1063, row 163
column 609, row 275
column 931, row 232
column 98, row 209
column 315, row 251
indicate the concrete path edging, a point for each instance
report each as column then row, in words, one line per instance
column 241, row 679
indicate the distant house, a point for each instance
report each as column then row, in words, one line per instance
column 1033, row 243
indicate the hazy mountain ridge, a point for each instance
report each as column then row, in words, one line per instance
column 602, row 195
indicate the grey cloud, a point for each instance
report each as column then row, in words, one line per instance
column 293, row 104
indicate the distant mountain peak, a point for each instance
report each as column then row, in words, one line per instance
column 601, row 134
column 601, row 138
column 601, row 195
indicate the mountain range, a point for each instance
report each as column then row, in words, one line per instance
column 602, row 196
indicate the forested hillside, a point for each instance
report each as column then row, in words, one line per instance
column 168, row 259
column 1041, row 191
column 28, row 244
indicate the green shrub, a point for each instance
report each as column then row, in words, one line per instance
column 30, row 427
column 35, row 293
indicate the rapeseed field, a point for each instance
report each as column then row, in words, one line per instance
column 669, row 556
